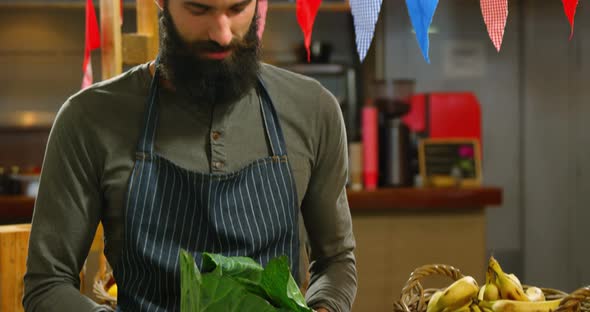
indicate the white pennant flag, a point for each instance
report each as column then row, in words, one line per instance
column 365, row 14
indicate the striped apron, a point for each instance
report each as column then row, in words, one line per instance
column 252, row 212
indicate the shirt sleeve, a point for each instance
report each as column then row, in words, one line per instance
column 326, row 214
column 65, row 218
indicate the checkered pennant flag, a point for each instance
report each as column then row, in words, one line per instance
column 569, row 6
column 365, row 14
column 495, row 13
column 421, row 13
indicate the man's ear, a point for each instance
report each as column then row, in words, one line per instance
column 160, row 4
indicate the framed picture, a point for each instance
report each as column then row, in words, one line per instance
column 450, row 162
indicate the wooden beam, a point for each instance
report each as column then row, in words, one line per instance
column 147, row 25
column 142, row 46
column 111, row 45
column 112, row 65
column 136, row 48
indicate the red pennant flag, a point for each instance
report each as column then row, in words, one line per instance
column 495, row 13
column 92, row 42
column 306, row 13
column 569, row 7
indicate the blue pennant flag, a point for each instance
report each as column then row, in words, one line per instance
column 421, row 13
column 365, row 14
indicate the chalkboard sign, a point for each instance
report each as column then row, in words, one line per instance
column 450, row 162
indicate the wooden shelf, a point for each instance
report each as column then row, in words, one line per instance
column 325, row 6
column 424, row 198
column 53, row 5
column 287, row 6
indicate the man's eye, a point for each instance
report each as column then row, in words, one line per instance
column 197, row 11
column 238, row 9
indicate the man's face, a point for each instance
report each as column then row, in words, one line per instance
column 209, row 48
column 219, row 21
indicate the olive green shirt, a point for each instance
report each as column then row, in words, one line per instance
column 90, row 155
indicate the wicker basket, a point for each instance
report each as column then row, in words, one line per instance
column 414, row 297
column 100, row 290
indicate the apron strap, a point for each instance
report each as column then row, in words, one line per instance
column 145, row 146
column 274, row 132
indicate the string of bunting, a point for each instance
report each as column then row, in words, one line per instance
column 366, row 12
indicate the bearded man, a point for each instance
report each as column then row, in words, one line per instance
column 205, row 149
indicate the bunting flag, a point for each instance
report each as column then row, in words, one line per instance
column 92, row 42
column 262, row 9
column 570, row 11
column 365, row 14
column 421, row 13
column 495, row 13
column 306, row 12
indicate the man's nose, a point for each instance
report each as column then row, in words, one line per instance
column 220, row 30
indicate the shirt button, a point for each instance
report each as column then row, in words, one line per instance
column 217, row 164
column 215, row 135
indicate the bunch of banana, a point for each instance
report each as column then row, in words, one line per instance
column 505, row 305
column 459, row 296
column 503, row 292
column 535, row 294
column 509, row 286
column 489, row 291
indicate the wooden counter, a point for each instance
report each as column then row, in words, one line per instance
column 424, row 198
column 396, row 230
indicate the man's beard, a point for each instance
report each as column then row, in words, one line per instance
column 207, row 81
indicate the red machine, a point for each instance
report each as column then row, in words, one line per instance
column 445, row 115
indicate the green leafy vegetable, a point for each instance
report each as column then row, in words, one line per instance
column 234, row 266
column 244, row 270
column 190, row 283
column 222, row 293
column 238, row 284
column 281, row 287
